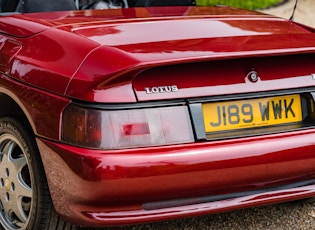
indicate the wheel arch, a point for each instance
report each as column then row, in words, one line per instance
column 11, row 107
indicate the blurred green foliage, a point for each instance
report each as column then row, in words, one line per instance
column 244, row 4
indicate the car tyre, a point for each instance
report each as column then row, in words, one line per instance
column 25, row 201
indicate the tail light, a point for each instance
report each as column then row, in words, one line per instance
column 126, row 128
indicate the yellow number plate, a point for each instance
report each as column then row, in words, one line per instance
column 222, row 116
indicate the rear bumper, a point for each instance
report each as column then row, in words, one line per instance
column 97, row 187
column 141, row 216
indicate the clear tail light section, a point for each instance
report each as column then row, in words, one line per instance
column 118, row 129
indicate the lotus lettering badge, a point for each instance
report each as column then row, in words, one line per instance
column 161, row 89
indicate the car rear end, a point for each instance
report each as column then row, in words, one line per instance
column 213, row 114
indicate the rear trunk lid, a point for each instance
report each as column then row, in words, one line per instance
column 194, row 55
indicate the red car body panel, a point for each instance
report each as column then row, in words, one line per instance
column 112, row 58
column 245, row 33
column 135, row 186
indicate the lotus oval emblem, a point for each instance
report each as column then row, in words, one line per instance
column 252, row 76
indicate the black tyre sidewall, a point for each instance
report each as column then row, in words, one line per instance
column 41, row 210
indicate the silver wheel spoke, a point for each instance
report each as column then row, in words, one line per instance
column 15, row 188
column 19, row 164
column 22, row 189
column 18, row 210
column 14, row 208
column 5, row 162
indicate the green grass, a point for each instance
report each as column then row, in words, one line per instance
column 244, row 4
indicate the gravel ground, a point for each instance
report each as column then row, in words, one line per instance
column 298, row 215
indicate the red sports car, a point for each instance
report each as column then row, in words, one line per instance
column 145, row 112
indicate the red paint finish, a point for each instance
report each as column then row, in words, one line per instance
column 42, row 109
column 75, row 38
column 118, row 59
column 50, row 64
column 8, row 49
column 21, row 26
column 110, row 187
column 227, row 77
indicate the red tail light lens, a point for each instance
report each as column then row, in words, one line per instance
column 82, row 127
column 135, row 129
column 126, row 128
